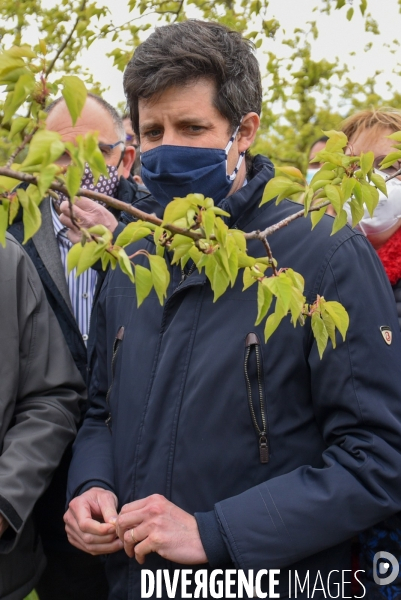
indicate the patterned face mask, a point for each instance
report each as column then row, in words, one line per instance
column 105, row 185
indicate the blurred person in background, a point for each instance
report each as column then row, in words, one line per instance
column 40, row 394
column 70, row 574
column 132, row 140
column 317, row 146
column 368, row 130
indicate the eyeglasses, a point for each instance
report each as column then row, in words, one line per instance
column 109, row 146
column 105, row 149
column 391, row 170
column 130, row 138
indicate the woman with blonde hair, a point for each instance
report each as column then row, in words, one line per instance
column 368, row 130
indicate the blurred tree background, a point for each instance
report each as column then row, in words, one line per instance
column 302, row 95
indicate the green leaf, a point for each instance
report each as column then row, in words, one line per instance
column 239, row 238
column 370, row 197
column 275, row 187
column 347, row 186
column 14, row 208
column 319, row 332
column 4, row 206
column 177, row 209
column 367, row 162
column 357, row 211
column 18, row 125
column 281, row 287
column 291, row 172
column 395, row 136
column 333, row 193
column 125, row 264
column 265, row 298
column 220, row 230
column 390, row 159
column 350, row 13
column 340, row 221
column 73, row 179
column 317, row 215
column 23, row 88
column 90, row 254
column 339, row 315
column 379, row 182
column 143, row 283
column 363, row 6
column 73, row 257
column 208, row 218
column 45, row 147
column 46, row 178
column 31, row 217
column 330, row 327
column 74, row 93
column 233, row 266
column 160, row 276
column 132, row 233
column 336, row 142
column 248, row 278
column 308, row 200
column 180, row 251
column 220, row 211
column 272, row 322
column 221, row 281
column 94, row 157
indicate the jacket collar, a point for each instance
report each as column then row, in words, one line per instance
column 243, row 202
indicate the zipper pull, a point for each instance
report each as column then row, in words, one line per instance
column 263, row 449
column 108, row 422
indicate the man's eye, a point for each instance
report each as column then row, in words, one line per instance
column 153, row 133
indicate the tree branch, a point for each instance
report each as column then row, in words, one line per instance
column 24, row 142
column 67, row 39
column 261, row 235
column 270, row 255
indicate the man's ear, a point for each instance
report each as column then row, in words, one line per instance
column 247, row 131
column 128, row 161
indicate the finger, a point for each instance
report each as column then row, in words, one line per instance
column 85, row 203
column 128, row 521
column 94, row 549
column 136, row 505
column 108, row 507
column 142, row 549
column 80, row 513
column 91, row 538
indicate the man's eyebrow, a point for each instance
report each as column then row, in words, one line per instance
column 182, row 121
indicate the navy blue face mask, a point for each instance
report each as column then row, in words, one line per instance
column 175, row 171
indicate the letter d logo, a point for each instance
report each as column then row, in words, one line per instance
column 384, row 567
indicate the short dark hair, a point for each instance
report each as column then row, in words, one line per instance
column 117, row 120
column 185, row 52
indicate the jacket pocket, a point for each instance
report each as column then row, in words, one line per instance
column 254, row 379
column 116, row 346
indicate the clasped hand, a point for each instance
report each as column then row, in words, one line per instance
column 150, row 525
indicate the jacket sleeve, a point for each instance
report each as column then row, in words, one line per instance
column 91, row 463
column 41, row 391
column 356, row 393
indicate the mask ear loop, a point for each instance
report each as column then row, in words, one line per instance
column 241, row 156
column 121, row 158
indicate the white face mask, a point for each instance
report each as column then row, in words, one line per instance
column 310, row 173
column 387, row 212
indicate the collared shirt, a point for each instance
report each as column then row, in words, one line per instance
column 82, row 288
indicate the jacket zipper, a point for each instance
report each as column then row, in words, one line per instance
column 252, row 341
column 117, row 342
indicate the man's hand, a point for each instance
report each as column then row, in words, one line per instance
column 87, row 213
column 3, row 525
column 90, row 522
column 156, row 525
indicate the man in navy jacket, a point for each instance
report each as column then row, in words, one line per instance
column 167, row 465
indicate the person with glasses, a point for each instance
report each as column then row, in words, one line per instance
column 368, row 130
column 70, row 574
column 132, row 140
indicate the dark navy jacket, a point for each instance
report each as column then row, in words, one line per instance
column 181, row 424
